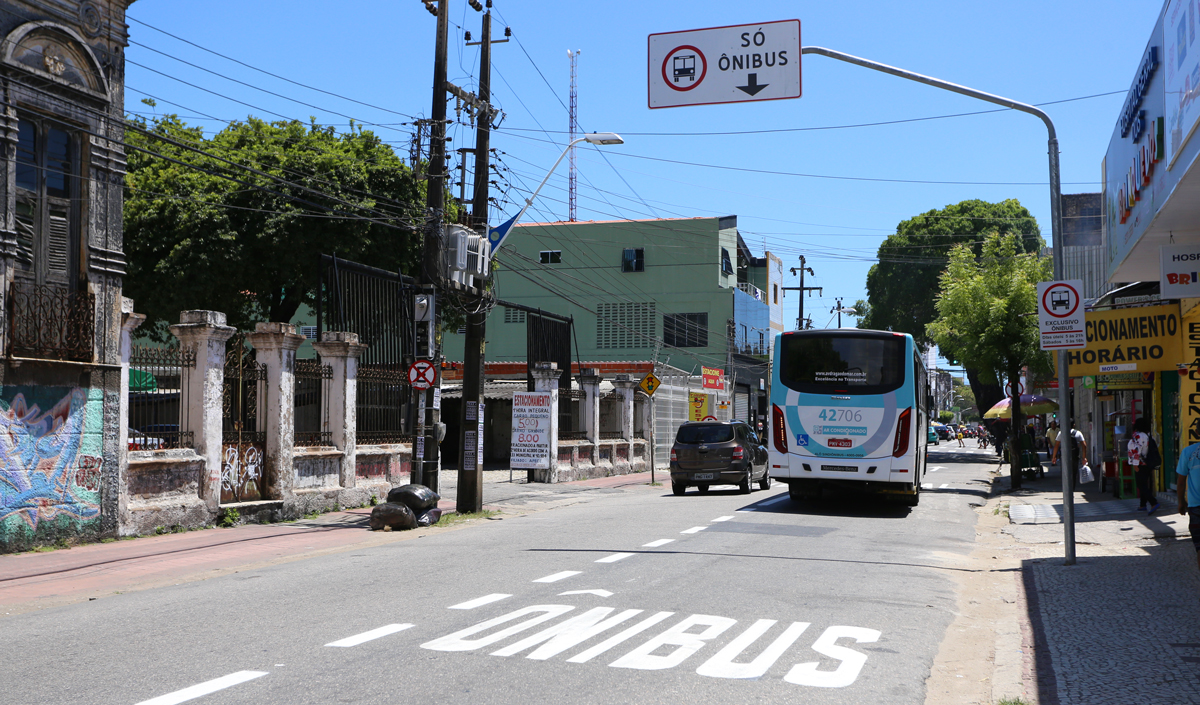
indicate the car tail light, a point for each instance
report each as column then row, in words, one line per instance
column 778, row 429
column 903, row 431
column 739, row 453
column 674, row 456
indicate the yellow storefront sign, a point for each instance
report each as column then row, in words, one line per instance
column 1145, row 339
column 697, row 406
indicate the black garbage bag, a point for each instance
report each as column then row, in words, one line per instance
column 393, row 514
column 429, row 517
column 418, row 498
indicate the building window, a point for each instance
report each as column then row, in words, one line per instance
column 47, row 231
column 685, row 330
column 551, row 256
column 512, row 315
column 625, row 325
column 775, row 292
column 633, row 260
column 309, row 332
column 726, row 264
column 762, row 344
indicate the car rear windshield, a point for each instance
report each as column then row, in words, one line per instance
column 842, row 364
column 714, row 433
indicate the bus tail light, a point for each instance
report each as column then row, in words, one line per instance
column 739, row 453
column 778, row 429
column 903, row 433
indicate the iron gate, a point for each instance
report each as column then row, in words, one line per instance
column 243, row 439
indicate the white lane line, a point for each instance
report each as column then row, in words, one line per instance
column 369, row 636
column 205, row 688
column 479, row 601
column 558, row 576
column 943, row 486
column 722, row 519
column 614, row 558
column 600, row 593
column 747, row 509
column 694, row 530
column 935, row 468
column 780, row 498
column 656, row 544
column 927, row 485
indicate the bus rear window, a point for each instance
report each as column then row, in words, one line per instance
column 842, row 364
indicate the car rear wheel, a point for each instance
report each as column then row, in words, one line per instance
column 703, row 489
column 744, row 485
column 678, row 488
column 765, row 482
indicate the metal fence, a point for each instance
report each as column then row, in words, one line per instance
column 51, row 321
column 310, row 402
column 382, row 405
column 158, row 398
column 243, row 439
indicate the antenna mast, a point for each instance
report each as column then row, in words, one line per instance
column 574, row 113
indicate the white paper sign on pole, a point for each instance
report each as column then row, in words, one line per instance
column 724, row 64
column 1060, row 314
column 531, row 428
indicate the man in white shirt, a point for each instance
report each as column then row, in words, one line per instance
column 1078, row 457
column 1139, row 457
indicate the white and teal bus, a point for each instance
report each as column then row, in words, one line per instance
column 848, row 409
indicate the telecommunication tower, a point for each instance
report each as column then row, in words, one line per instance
column 574, row 115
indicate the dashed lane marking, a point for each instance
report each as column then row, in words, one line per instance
column 722, row 519
column 614, row 558
column 558, row 576
column 599, row 593
column 369, row 636
column 774, row 500
column 201, row 689
column 656, row 544
column 927, row 485
column 694, row 530
column 479, row 601
column 943, row 486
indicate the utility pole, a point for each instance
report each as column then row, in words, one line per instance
column 802, row 269
column 471, row 422
column 838, row 308
column 426, row 453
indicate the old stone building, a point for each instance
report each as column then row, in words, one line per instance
column 61, row 268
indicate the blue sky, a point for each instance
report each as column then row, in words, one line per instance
column 376, row 59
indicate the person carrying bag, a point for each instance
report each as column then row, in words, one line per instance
column 1145, row 458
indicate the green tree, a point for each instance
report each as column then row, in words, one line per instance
column 203, row 233
column 903, row 286
column 986, row 316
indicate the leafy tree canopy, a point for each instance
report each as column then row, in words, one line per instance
column 903, row 286
column 195, row 238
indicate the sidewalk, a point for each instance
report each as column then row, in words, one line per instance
column 33, row 581
column 1120, row 626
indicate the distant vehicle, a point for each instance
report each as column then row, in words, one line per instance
column 943, row 432
column 847, row 407
column 710, row 453
column 932, row 436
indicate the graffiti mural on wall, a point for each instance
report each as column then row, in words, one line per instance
column 50, row 458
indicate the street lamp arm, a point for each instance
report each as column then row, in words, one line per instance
column 593, row 138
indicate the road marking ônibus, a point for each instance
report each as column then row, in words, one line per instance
column 668, row 648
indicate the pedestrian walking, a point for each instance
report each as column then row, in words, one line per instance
column 1078, row 453
column 1144, row 457
column 960, row 439
column 1187, row 490
column 1051, row 437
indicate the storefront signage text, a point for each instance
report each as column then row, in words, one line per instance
column 1132, row 118
column 1144, row 339
column 1141, row 169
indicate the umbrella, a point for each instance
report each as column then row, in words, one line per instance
column 1031, row 404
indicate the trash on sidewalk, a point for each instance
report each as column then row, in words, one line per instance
column 407, row 507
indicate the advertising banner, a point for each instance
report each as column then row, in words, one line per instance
column 1182, row 59
column 1180, row 272
column 1142, row 339
column 1189, row 388
column 1126, row 380
column 531, row 430
column 713, row 377
column 698, row 406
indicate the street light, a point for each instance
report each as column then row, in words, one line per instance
column 496, row 235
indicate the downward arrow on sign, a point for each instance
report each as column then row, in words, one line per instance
column 752, row 86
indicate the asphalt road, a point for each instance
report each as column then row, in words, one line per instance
column 633, row 596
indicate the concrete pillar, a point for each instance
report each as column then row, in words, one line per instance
column 545, row 379
column 275, row 346
column 589, row 381
column 204, row 333
column 624, row 387
column 341, row 351
column 129, row 322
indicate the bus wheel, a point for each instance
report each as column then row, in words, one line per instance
column 702, row 488
column 678, row 488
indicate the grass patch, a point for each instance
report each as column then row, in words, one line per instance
column 452, row 519
column 229, row 517
column 1011, row 701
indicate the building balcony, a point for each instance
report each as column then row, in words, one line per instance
column 51, row 322
column 752, row 290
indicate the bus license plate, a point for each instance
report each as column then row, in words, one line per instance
column 703, row 476
column 839, row 468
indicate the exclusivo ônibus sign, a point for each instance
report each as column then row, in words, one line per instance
column 531, row 430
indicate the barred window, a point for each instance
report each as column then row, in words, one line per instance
column 685, row 330
column 512, row 315
column 625, row 325
column 633, row 260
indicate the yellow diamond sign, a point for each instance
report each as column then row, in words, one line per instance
column 649, row 383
